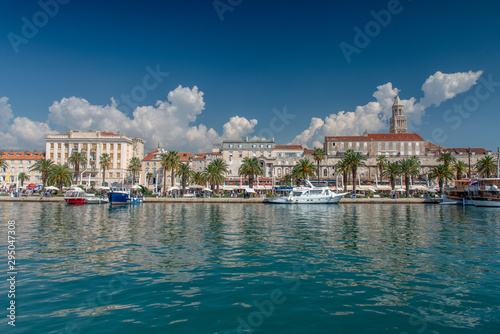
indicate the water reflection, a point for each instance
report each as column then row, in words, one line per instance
column 440, row 263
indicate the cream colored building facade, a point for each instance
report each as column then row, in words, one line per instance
column 20, row 162
column 121, row 148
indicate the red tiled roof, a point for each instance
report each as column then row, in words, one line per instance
column 464, row 150
column 288, row 147
column 378, row 137
column 22, row 155
column 308, row 151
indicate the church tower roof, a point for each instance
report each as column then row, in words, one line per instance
column 397, row 101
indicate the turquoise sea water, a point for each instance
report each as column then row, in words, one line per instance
column 233, row 268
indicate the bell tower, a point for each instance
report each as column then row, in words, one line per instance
column 398, row 119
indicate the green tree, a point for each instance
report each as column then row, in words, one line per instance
column 343, row 168
column 250, row 168
column 22, row 177
column 76, row 159
column 149, row 177
column 184, row 172
column 105, row 162
column 459, row 168
column 3, row 163
column 170, row 161
column 304, row 169
column 60, row 175
column 409, row 168
column 354, row 160
column 318, row 156
column 215, row 173
column 43, row 166
column 486, row 166
column 446, row 158
column 381, row 164
column 442, row 173
column 392, row 171
column 198, row 178
column 134, row 166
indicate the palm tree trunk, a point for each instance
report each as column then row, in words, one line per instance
column 172, row 180
column 250, row 181
column 354, row 180
column 407, row 183
column 393, row 185
column 318, row 172
column 345, row 181
column 103, row 177
column 164, row 179
column 183, row 186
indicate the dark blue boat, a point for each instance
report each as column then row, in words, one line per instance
column 123, row 195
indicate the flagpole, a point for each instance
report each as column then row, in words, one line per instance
column 498, row 161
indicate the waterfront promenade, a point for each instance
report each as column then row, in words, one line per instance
column 237, row 200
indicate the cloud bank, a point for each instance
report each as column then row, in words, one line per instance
column 374, row 116
column 172, row 122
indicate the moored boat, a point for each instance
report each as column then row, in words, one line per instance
column 123, row 195
column 486, row 193
column 75, row 197
column 308, row 195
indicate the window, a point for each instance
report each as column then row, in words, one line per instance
column 230, row 145
column 269, row 146
column 154, row 164
column 416, row 144
column 333, row 144
column 241, row 154
column 147, row 163
column 357, row 144
column 379, row 144
column 350, row 144
column 261, row 146
column 365, row 144
column 254, row 146
column 119, row 146
column 409, row 153
column 240, row 146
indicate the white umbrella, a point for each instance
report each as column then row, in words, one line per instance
column 102, row 187
column 431, row 190
column 173, row 188
column 207, row 189
column 401, row 189
column 249, row 190
column 51, row 188
column 195, row 186
column 372, row 190
column 136, row 186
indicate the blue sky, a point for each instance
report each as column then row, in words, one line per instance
column 262, row 56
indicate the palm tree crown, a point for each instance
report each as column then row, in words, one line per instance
column 105, row 162
column 170, row 161
column 250, row 168
column 354, row 160
column 460, row 168
column 76, row 159
column 409, row 167
column 318, row 156
column 22, row 177
column 441, row 173
column 304, row 169
column 184, row 172
column 392, row 171
column 486, row 166
column 43, row 166
column 382, row 164
column 60, row 175
column 3, row 163
column 215, row 172
column 134, row 166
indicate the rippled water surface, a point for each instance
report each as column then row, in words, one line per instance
column 233, row 268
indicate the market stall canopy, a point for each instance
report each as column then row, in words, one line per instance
column 207, row 189
column 51, row 188
column 249, row 190
column 195, row 186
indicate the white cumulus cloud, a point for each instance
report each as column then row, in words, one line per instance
column 374, row 116
column 170, row 123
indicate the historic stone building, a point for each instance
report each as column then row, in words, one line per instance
column 20, row 162
column 59, row 147
column 398, row 120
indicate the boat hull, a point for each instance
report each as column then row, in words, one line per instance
column 75, row 201
column 485, row 202
column 119, row 198
column 306, row 200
